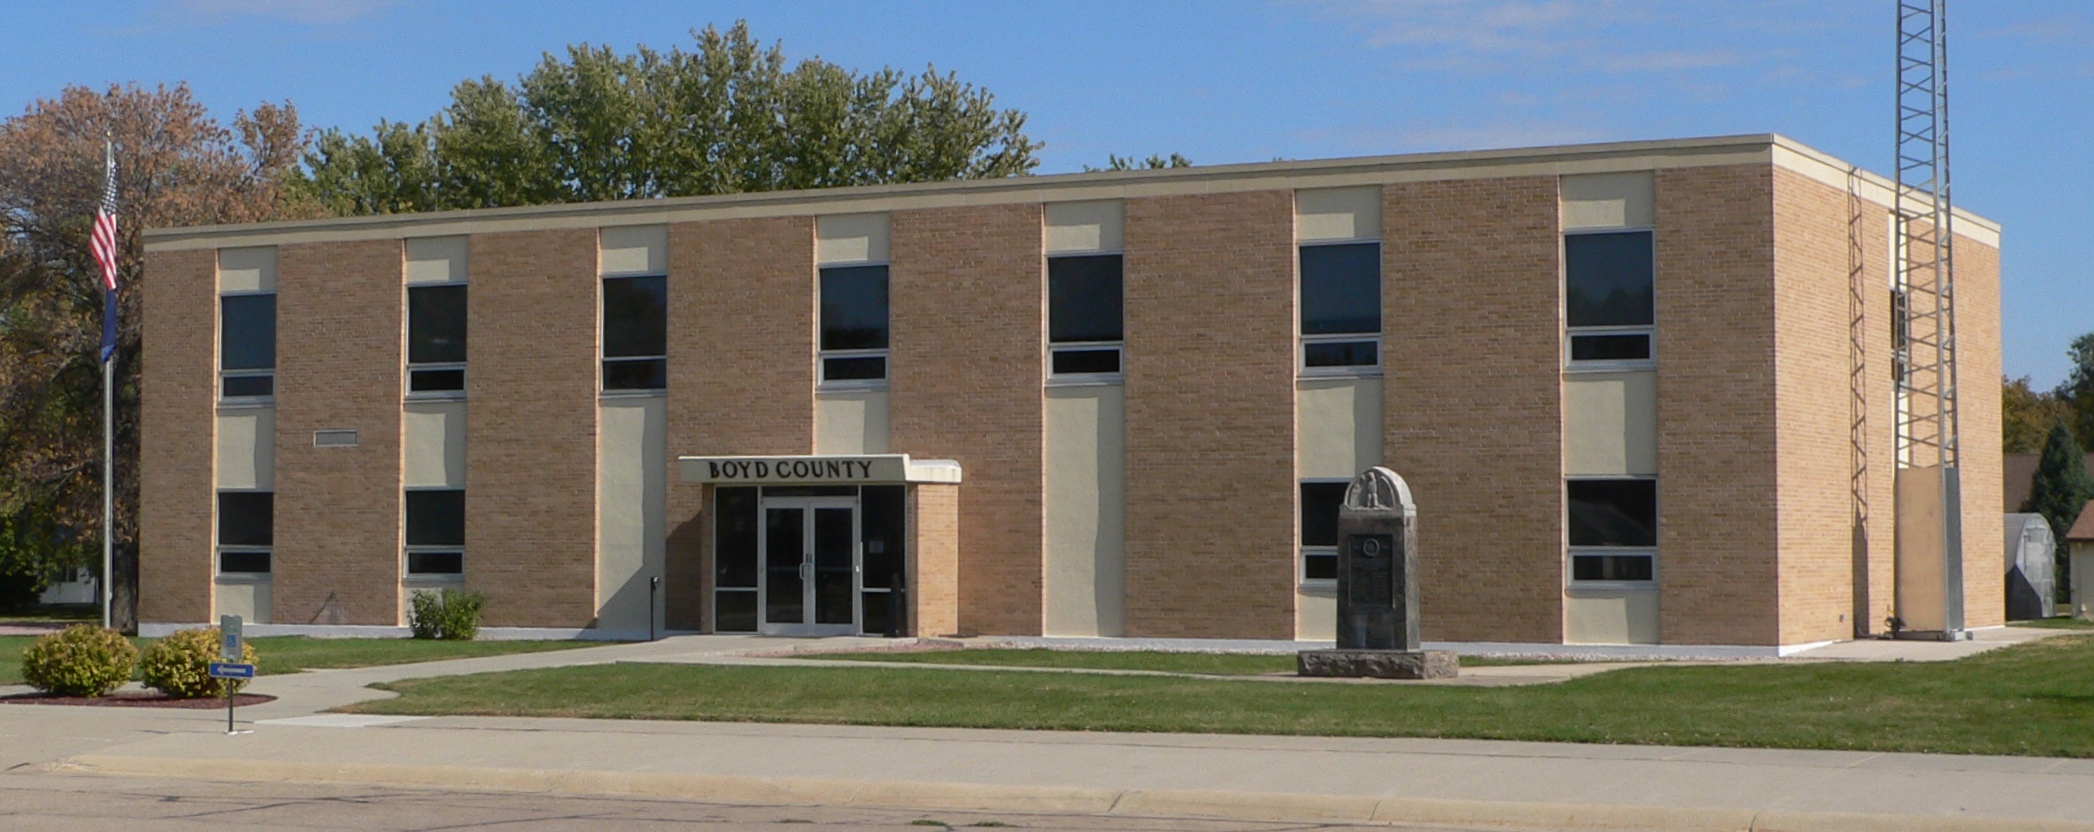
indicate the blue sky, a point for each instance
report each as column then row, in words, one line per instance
column 1241, row 81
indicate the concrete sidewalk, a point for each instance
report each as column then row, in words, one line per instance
column 1469, row 784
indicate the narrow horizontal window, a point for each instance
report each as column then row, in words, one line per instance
column 854, row 368
column 1087, row 361
column 246, row 518
column 435, row 563
column 1627, row 347
column 1608, row 279
column 1341, row 289
column 1319, row 566
column 636, row 374
column 248, row 386
column 436, row 325
column 243, row 562
column 435, row 380
column 1341, row 353
column 1620, row 512
column 1595, row 567
column 1085, row 299
column 436, row 517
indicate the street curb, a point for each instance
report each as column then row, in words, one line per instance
column 1243, row 806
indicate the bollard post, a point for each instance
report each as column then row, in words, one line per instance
column 654, row 587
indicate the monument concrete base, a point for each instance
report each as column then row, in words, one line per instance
column 1379, row 664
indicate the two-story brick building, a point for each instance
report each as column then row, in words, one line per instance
column 1642, row 392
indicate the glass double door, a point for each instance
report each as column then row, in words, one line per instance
column 810, row 566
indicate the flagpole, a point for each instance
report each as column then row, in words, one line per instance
column 108, row 478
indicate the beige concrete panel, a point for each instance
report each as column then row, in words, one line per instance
column 1081, row 227
column 1610, row 424
column 250, row 269
column 632, row 490
column 1316, row 614
column 1086, row 511
column 1609, row 200
column 850, row 238
column 1337, row 214
column 248, row 599
column 437, row 259
column 1622, row 616
column 434, row 444
column 247, row 448
column 1338, row 426
column 851, row 422
column 633, row 249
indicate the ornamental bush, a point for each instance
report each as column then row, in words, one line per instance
column 180, row 664
column 449, row 614
column 82, row 660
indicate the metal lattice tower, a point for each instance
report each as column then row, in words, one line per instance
column 1926, row 341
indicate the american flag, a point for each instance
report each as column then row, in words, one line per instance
column 103, row 245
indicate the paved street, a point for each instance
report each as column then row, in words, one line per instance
column 93, row 804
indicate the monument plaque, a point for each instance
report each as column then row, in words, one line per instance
column 1378, row 588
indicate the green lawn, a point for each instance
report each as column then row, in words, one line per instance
column 291, row 654
column 1218, row 664
column 2031, row 699
column 2057, row 624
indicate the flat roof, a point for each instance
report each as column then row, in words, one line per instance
column 1606, row 157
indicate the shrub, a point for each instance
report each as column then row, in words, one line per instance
column 180, row 664
column 82, row 660
column 449, row 614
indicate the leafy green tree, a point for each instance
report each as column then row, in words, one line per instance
column 2062, row 486
column 2078, row 390
column 1154, row 162
column 2027, row 415
column 729, row 117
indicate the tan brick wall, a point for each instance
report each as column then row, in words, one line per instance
column 1717, row 483
column 741, row 371
column 934, row 559
column 1828, row 552
column 1978, row 407
column 338, row 317
column 1473, row 400
column 178, row 394
column 967, row 311
column 1210, row 415
column 530, row 448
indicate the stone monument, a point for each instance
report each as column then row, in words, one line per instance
column 1378, row 588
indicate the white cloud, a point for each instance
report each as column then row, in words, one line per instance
column 296, row 11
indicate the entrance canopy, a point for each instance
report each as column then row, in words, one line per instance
column 817, row 469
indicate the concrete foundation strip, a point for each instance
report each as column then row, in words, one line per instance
column 1246, row 806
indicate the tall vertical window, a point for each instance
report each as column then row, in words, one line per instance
column 1320, row 500
column 1609, row 305
column 435, row 531
column 436, row 339
column 1613, row 529
column 636, row 333
column 1340, row 307
column 1085, row 316
column 246, row 531
column 247, row 345
column 854, row 326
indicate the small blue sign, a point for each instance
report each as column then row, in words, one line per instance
column 231, row 670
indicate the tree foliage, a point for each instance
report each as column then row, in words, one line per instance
column 2027, row 414
column 1154, row 162
column 176, row 166
column 729, row 117
column 2077, row 392
column 2062, row 486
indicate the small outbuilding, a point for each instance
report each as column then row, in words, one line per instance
column 2032, row 553
column 2079, row 543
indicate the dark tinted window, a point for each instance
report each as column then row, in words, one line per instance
column 1086, row 361
column 883, row 522
column 858, row 368
column 1612, row 568
column 249, row 386
column 1319, row 566
column 249, row 336
column 1609, row 347
column 246, row 518
column 435, row 324
column 1319, row 512
column 1607, row 279
column 1341, row 288
column 423, row 381
column 734, row 560
column 435, row 563
column 1613, row 512
column 1339, row 354
column 256, row 562
column 734, row 612
column 436, row 518
column 1084, row 299
column 854, row 308
column 635, row 316
column 636, row 374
